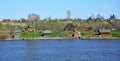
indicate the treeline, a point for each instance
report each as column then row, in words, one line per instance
column 34, row 20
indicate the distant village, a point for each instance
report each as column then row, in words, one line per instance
column 67, row 28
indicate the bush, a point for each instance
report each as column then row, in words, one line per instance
column 3, row 37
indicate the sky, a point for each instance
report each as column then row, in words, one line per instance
column 17, row 9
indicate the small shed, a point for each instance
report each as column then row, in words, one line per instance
column 76, row 35
column 105, row 32
column 16, row 36
column 46, row 33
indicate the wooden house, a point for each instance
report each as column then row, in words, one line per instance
column 76, row 35
column 6, row 20
column 104, row 32
column 69, row 27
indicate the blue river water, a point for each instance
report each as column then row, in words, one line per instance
column 60, row 50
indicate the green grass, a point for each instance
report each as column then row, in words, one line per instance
column 55, row 34
column 62, row 34
column 87, row 34
column 115, row 34
column 30, row 35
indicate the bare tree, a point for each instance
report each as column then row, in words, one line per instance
column 113, row 17
column 99, row 17
column 32, row 19
column 68, row 14
column 116, row 25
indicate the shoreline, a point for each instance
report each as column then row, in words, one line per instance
column 59, row 38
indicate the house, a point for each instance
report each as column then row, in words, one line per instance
column 6, row 20
column 104, row 32
column 69, row 27
column 46, row 33
column 76, row 34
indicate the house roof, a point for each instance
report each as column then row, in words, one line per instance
column 104, row 31
column 75, row 32
column 6, row 20
column 46, row 31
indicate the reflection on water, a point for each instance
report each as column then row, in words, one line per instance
column 60, row 50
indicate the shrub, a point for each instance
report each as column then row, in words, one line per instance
column 3, row 37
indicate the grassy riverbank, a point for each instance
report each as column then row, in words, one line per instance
column 67, row 35
column 60, row 35
column 57, row 30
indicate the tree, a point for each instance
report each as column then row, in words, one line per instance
column 113, row 17
column 22, row 20
column 89, row 19
column 116, row 25
column 33, row 17
column 68, row 14
column 99, row 17
column 49, row 19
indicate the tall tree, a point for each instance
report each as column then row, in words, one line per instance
column 99, row 17
column 68, row 14
column 33, row 17
column 113, row 17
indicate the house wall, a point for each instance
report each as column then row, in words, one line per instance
column 106, row 34
column 76, row 35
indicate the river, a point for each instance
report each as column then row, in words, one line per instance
column 60, row 50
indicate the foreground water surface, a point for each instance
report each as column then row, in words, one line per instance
column 60, row 50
